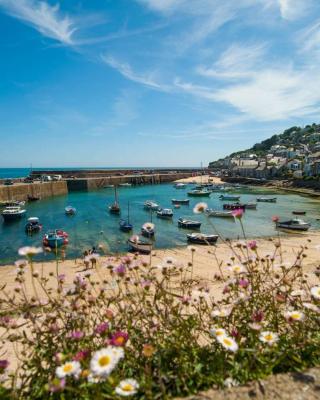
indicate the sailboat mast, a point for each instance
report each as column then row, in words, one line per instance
column 115, row 194
column 128, row 212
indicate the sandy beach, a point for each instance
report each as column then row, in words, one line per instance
column 201, row 179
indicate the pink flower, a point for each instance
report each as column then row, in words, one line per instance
column 237, row 213
column 61, row 278
column 252, row 245
column 185, row 300
column 4, row 364
column 57, row 385
column 146, row 284
column 101, row 328
column 119, row 339
column 275, row 218
column 81, row 355
column 244, row 283
column 77, row 335
column 257, row 316
column 120, row 270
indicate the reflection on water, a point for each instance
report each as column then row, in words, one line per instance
column 93, row 225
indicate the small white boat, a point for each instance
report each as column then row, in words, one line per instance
column 219, row 214
column 33, row 225
column 250, row 206
column 165, row 213
column 296, row 224
column 13, row 213
column 148, row 229
column 126, row 184
column 267, row 199
column 140, row 246
column 69, row 210
column 151, row 205
column 201, row 238
column 180, row 185
column 229, row 198
column 108, row 186
column 188, row 224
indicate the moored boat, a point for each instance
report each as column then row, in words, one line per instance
column 165, row 213
column 293, row 224
column 182, row 201
column 12, row 203
column 125, row 225
column 199, row 193
column 250, row 206
column 108, row 186
column 188, row 224
column 69, row 210
column 229, row 198
column 267, row 199
column 234, row 206
column 13, row 213
column 140, row 246
column 151, row 205
column 33, row 198
column 126, row 184
column 299, row 212
column 148, row 229
column 180, row 185
column 55, row 239
column 33, row 225
column 219, row 213
column 201, row 238
column 115, row 207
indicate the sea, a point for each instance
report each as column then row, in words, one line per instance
column 93, row 225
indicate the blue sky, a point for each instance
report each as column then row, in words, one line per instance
column 152, row 82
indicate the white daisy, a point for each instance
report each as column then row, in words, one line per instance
column 294, row 315
column 312, row 307
column 315, row 292
column 127, row 387
column 269, row 337
column 221, row 312
column 29, row 251
column 238, row 269
column 200, row 208
column 104, row 361
column 228, row 343
column 217, row 332
column 70, row 368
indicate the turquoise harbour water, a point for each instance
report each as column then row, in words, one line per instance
column 93, row 225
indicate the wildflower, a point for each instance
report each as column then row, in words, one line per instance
column 192, row 248
column 298, row 293
column 293, row 316
column 312, row 307
column 222, row 312
column 315, row 292
column 243, row 283
column 146, row 284
column 148, row 350
column 169, row 261
column 29, row 251
column 57, row 385
column 127, row 387
column 237, row 213
column 120, row 270
column 252, row 245
column 200, row 208
column 104, row 361
column 101, row 328
column 255, row 326
column 228, row 343
column 257, row 316
column 238, row 269
column 230, row 382
column 149, row 226
column 275, row 218
column 119, row 339
column 70, row 368
column 268, row 337
column 81, row 355
column 20, row 264
column 77, row 335
column 4, row 364
column 217, row 332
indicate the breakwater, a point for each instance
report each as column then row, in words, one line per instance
column 21, row 191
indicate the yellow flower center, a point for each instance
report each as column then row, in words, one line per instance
column 268, row 337
column 219, row 332
column 119, row 340
column 104, row 361
column 67, row 368
column 127, row 387
column 295, row 316
column 227, row 342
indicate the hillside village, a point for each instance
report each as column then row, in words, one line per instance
column 293, row 154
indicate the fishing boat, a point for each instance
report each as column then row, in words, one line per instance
column 33, row 198
column 115, row 207
column 182, row 201
column 12, row 203
column 267, row 199
column 201, row 238
column 108, row 186
column 165, row 213
column 199, row 193
column 148, row 229
column 13, row 213
column 219, row 214
column 55, row 239
column 125, row 225
column 126, row 184
column 229, row 198
column 297, row 212
column 151, row 205
column 234, row 206
column 250, row 206
column 140, row 246
column 180, row 185
column 69, row 210
column 188, row 224
column 294, row 224
column 33, row 225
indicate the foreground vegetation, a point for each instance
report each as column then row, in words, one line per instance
column 156, row 332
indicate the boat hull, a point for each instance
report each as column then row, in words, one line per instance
column 199, row 194
column 140, row 247
column 13, row 217
column 175, row 201
column 202, row 239
column 189, row 224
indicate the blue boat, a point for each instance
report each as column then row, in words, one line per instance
column 55, row 239
column 125, row 225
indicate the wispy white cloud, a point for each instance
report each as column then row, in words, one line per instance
column 43, row 17
column 146, row 79
column 294, row 9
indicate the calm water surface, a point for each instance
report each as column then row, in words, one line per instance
column 93, row 225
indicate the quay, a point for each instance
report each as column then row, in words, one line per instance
column 87, row 180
